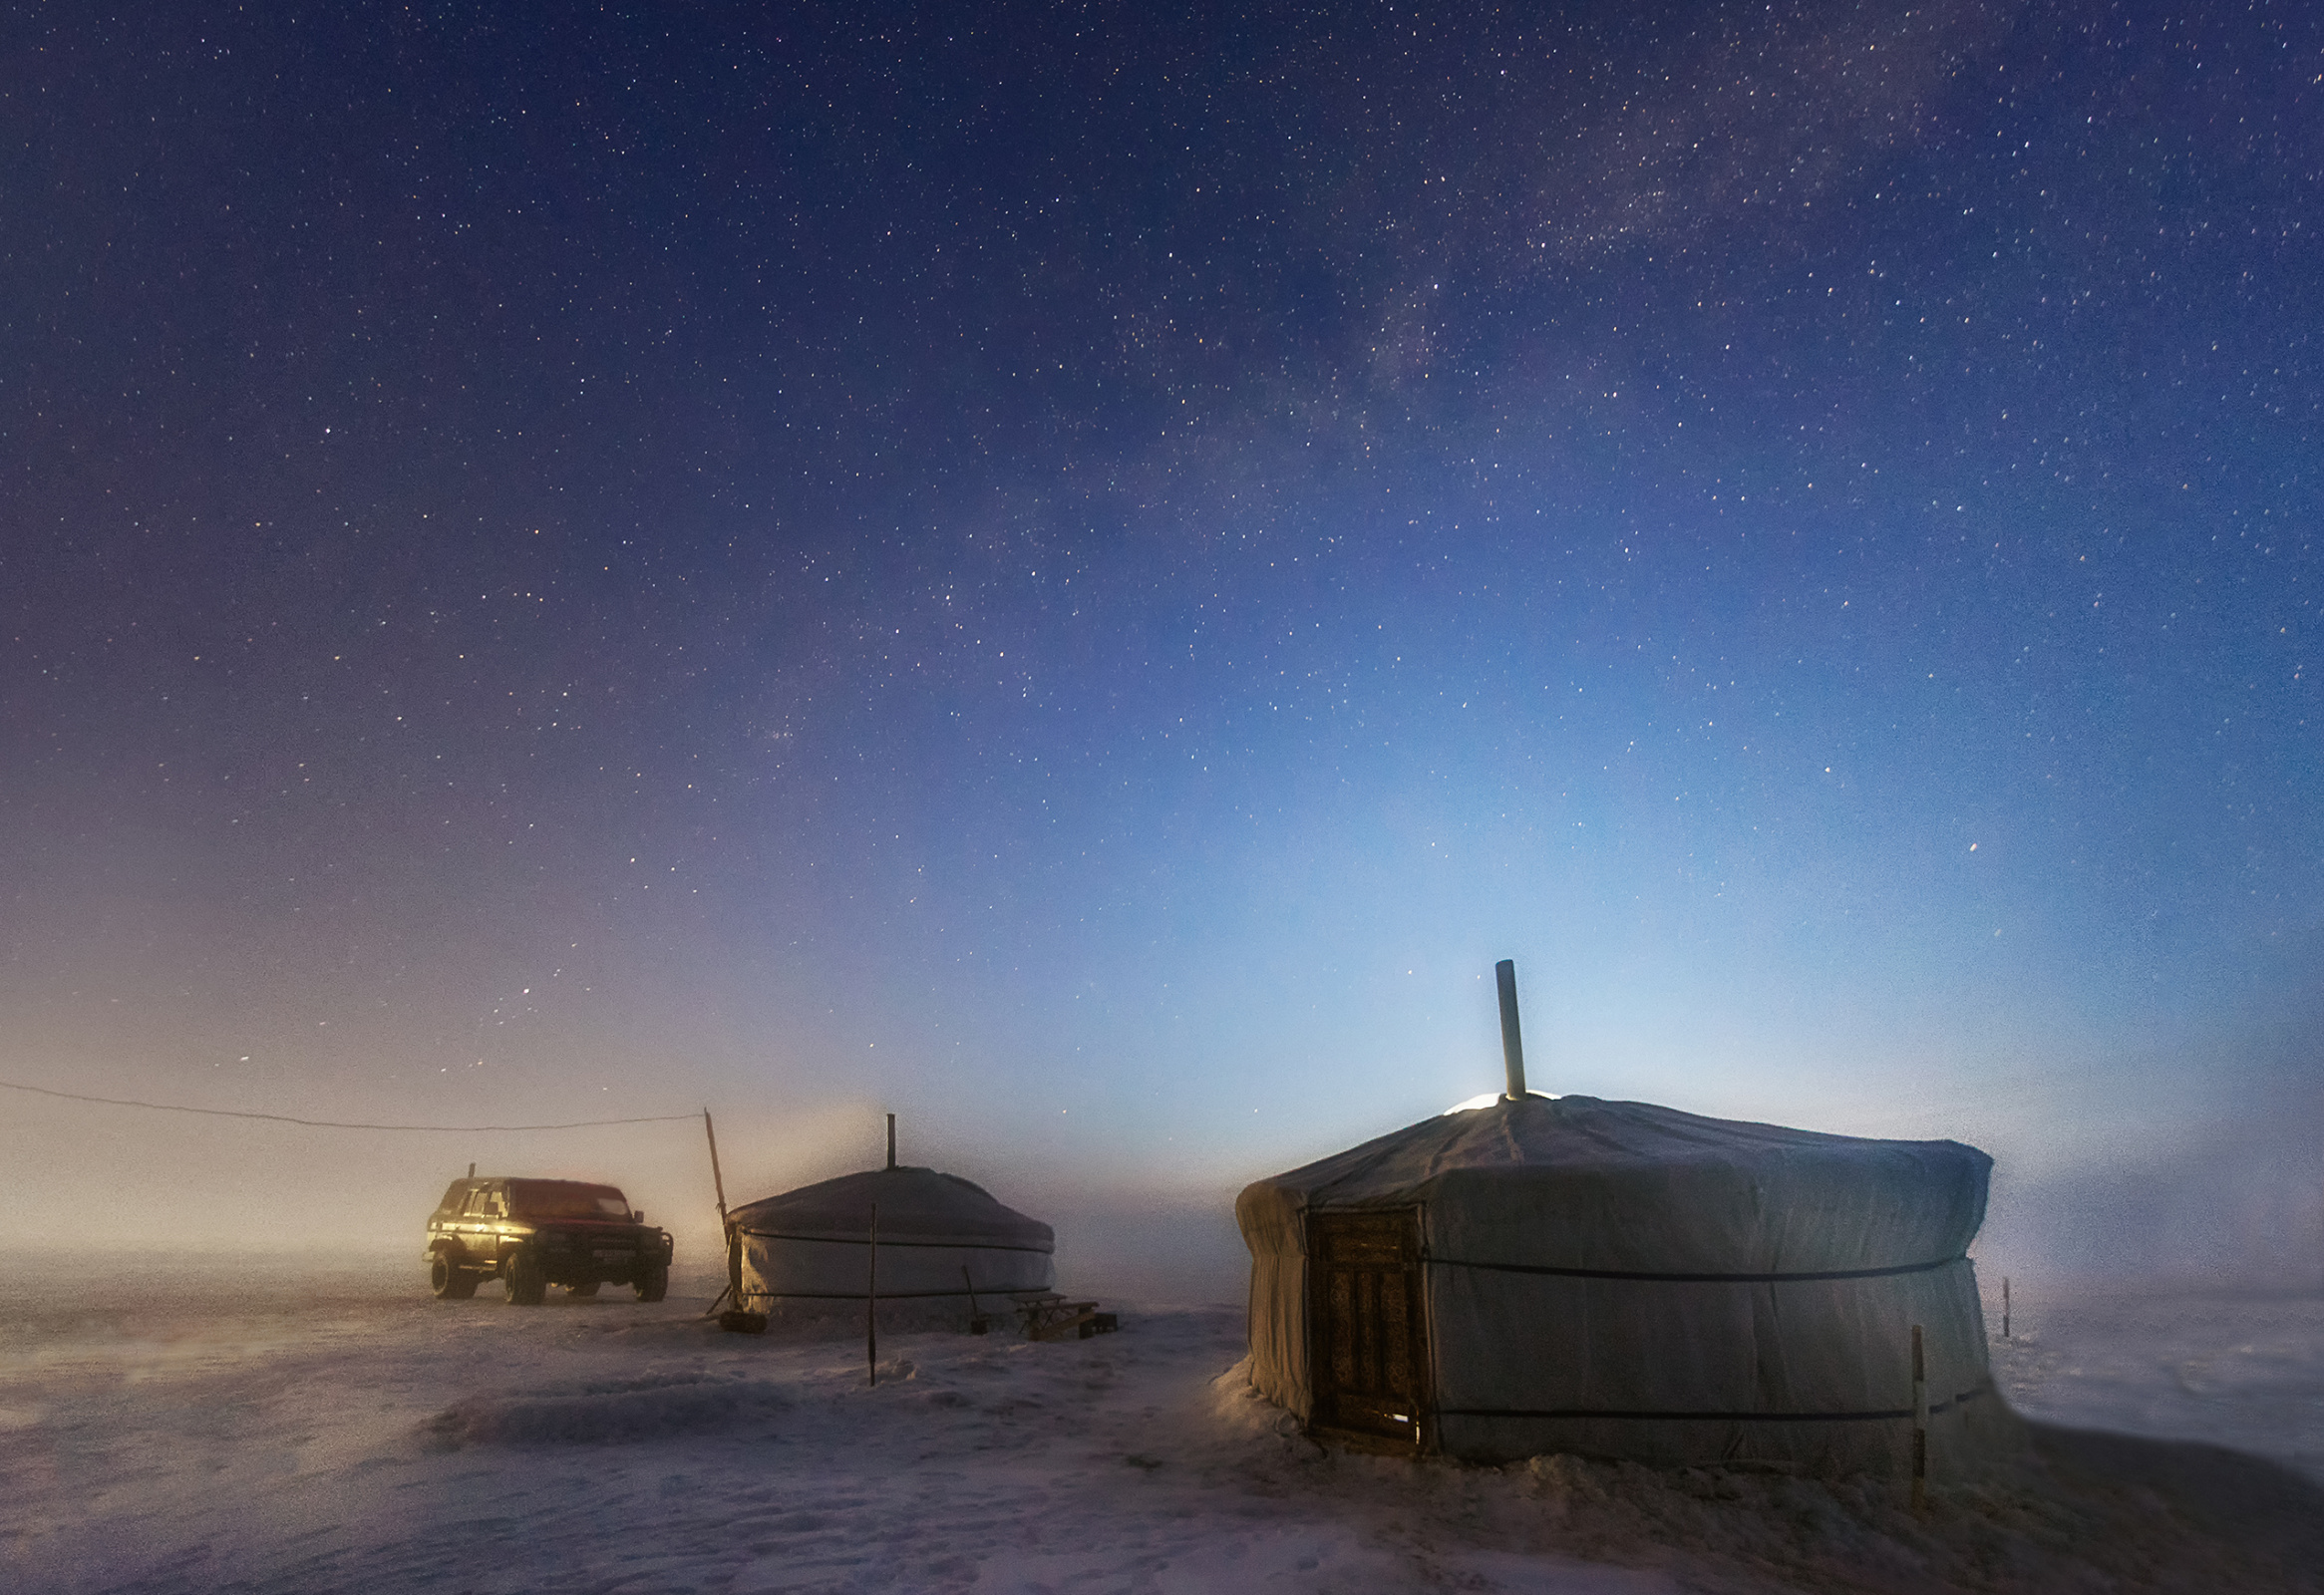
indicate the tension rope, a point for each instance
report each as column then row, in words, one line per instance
column 332, row 1123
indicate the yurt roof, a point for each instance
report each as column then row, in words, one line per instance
column 1584, row 1183
column 917, row 1207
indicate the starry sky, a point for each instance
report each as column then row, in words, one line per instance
column 1079, row 572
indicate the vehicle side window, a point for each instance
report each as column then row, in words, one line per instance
column 481, row 1204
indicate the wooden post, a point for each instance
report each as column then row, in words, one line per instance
column 871, row 1304
column 717, row 1180
column 2005, row 1307
column 891, row 1140
column 734, row 1251
column 1919, row 1423
column 1512, row 1048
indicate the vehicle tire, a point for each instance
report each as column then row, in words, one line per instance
column 526, row 1284
column 448, row 1281
column 654, row 1283
column 585, row 1288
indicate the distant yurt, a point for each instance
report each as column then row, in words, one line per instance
column 1616, row 1279
column 942, row 1244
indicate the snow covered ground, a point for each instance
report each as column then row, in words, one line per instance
column 2244, row 1371
column 265, row 1427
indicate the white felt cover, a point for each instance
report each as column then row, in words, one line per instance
column 814, row 1243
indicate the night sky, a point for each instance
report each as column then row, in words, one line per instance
column 1079, row 574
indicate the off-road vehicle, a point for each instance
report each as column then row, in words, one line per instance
column 534, row 1233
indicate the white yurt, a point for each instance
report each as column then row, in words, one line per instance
column 942, row 1243
column 1546, row 1274
column 1625, row 1279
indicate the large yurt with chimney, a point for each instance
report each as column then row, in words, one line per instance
column 1538, row 1274
column 932, row 1248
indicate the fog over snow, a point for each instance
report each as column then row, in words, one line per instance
column 274, row 1427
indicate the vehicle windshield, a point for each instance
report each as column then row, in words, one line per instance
column 552, row 1198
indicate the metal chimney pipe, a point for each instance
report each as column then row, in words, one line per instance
column 1512, row 1048
column 891, row 1140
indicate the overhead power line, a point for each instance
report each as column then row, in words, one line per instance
column 333, row 1123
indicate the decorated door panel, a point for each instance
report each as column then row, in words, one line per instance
column 1368, row 1324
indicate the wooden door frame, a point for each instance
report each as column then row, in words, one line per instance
column 1420, row 1332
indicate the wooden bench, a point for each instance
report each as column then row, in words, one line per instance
column 1046, row 1315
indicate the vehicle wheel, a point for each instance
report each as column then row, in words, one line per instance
column 589, row 1288
column 522, row 1277
column 654, row 1284
column 448, row 1282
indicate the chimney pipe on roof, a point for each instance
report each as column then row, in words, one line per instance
column 891, row 1140
column 1513, row 1048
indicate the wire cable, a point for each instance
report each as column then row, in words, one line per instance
column 333, row 1123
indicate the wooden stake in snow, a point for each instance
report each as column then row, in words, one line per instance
column 871, row 1304
column 2005, row 1307
column 1512, row 1048
column 1919, row 1423
column 871, row 1289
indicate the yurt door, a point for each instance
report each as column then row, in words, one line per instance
column 1369, row 1351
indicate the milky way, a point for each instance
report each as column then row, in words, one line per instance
column 1081, row 575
